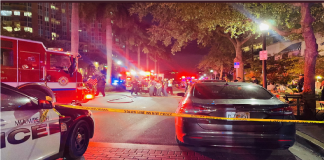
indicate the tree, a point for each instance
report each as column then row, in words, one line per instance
column 179, row 23
column 219, row 57
column 295, row 21
column 104, row 12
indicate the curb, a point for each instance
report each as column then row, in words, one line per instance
column 310, row 142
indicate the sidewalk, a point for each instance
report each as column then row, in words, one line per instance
column 310, row 135
column 125, row 151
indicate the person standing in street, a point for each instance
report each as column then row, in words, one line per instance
column 151, row 87
column 134, row 87
column 254, row 80
column 170, row 84
column 101, row 85
column 158, row 88
column 165, row 87
column 300, row 83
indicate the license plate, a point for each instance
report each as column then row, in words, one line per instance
column 237, row 114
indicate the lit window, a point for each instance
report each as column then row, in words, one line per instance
column 17, row 29
column 46, row 19
column 17, row 13
column 52, row 6
column 57, row 22
column 63, row 10
column 6, row 13
column 53, row 35
column 28, row 29
column 28, row 14
column 112, row 21
column 9, row 29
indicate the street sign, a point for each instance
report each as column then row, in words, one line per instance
column 236, row 64
column 263, row 55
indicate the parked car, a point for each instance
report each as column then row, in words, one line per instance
column 31, row 129
column 234, row 100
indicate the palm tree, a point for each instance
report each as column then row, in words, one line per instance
column 104, row 12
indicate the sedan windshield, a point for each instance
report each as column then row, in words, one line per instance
column 230, row 92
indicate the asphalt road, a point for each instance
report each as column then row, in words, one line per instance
column 111, row 127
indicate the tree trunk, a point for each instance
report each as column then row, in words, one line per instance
column 238, row 58
column 147, row 61
column 75, row 30
column 138, row 57
column 310, row 58
column 127, row 53
column 155, row 64
column 221, row 71
column 108, row 50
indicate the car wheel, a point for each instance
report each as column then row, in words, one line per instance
column 179, row 142
column 78, row 140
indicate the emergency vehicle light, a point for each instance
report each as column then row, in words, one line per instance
column 127, row 73
column 56, row 49
column 89, row 96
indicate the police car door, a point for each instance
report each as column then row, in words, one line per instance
column 23, row 135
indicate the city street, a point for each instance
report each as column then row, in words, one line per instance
column 122, row 129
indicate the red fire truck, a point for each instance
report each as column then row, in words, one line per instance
column 32, row 68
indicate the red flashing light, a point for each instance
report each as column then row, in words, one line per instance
column 183, row 77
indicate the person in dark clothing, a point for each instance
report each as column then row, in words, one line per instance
column 300, row 83
column 254, row 80
column 101, row 84
column 134, row 87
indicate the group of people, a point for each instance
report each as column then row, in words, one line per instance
column 156, row 87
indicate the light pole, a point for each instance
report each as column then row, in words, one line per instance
column 211, row 76
column 264, row 28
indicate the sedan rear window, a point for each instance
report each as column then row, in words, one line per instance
column 230, row 92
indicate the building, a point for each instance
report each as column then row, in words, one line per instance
column 52, row 21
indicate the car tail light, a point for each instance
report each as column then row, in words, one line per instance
column 188, row 108
column 282, row 111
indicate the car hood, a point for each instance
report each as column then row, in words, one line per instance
column 271, row 101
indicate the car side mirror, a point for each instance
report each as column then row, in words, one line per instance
column 181, row 94
column 44, row 104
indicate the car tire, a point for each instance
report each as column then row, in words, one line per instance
column 78, row 140
column 179, row 142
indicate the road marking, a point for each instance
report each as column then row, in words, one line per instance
column 186, row 115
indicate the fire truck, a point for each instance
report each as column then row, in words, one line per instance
column 44, row 73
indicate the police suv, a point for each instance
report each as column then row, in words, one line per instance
column 33, row 128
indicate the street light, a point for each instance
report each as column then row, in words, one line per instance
column 318, row 77
column 119, row 62
column 264, row 27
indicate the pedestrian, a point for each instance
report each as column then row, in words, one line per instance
column 151, row 86
column 165, row 87
column 101, row 85
column 254, row 80
column 155, row 82
column 322, row 87
column 158, row 87
column 134, row 87
column 170, row 85
column 237, row 79
column 300, row 83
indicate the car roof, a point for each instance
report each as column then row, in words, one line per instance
column 3, row 85
column 230, row 83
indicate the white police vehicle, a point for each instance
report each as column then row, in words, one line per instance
column 32, row 129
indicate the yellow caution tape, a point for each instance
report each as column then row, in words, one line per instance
column 58, row 113
column 43, row 115
column 186, row 115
